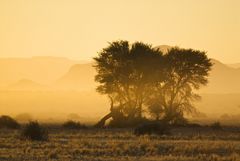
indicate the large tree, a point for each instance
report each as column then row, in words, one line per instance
column 186, row 71
column 138, row 76
column 127, row 74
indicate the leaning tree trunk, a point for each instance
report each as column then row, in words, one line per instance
column 101, row 123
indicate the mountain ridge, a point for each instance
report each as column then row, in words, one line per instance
column 67, row 74
column 27, row 84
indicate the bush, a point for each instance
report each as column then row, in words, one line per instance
column 73, row 125
column 33, row 131
column 157, row 128
column 8, row 122
column 216, row 126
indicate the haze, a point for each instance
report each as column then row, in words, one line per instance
column 79, row 29
column 47, row 46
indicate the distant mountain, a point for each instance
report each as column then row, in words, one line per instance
column 46, row 74
column 223, row 79
column 219, row 103
column 236, row 65
column 63, row 73
column 79, row 77
column 40, row 69
column 26, row 84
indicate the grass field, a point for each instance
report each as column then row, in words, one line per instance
column 184, row 144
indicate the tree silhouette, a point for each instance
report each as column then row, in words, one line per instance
column 186, row 72
column 127, row 74
column 137, row 76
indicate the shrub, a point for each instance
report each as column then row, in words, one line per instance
column 73, row 125
column 33, row 131
column 157, row 128
column 8, row 122
column 216, row 126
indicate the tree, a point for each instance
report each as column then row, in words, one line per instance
column 138, row 76
column 186, row 71
column 126, row 74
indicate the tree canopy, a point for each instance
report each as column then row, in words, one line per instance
column 139, row 78
column 186, row 71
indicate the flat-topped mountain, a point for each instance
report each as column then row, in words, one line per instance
column 235, row 65
column 79, row 77
column 26, row 84
column 44, row 70
column 63, row 73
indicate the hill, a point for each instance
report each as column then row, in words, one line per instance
column 22, row 76
column 26, row 84
column 223, row 79
column 235, row 65
column 79, row 77
column 44, row 70
column 63, row 73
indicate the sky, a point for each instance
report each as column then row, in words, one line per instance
column 78, row 29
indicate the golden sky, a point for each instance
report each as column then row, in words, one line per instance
column 79, row 29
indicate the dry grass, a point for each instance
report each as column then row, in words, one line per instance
column 120, row 144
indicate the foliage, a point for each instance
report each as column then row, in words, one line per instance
column 187, row 70
column 33, row 131
column 126, row 74
column 138, row 77
column 73, row 125
column 8, row 122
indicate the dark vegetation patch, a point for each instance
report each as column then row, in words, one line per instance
column 8, row 122
column 34, row 131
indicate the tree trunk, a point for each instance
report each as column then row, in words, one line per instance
column 101, row 123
